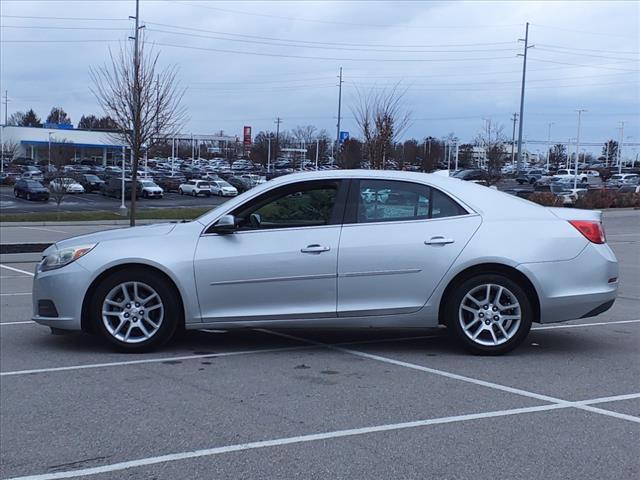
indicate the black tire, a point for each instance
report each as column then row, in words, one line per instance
column 194, row 193
column 453, row 306
column 181, row 192
column 28, row 197
column 219, row 193
column 16, row 193
column 171, row 321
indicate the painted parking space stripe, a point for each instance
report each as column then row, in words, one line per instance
column 13, row 269
column 14, row 294
column 582, row 325
column 192, row 357
column 314, row 437
column 463, row 378
column 44, row 229
column 248, row 352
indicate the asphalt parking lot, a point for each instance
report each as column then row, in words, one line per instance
column 355, row 404
column 90, row 202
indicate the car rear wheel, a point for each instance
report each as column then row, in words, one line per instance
column 194, row 193
column 135, row 310
column 489, row 314
column 181, row 192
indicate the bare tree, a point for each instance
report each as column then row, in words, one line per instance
column 492, row 139
column 61, row 154
column 304, row 133
column 381, row 117
column 143, row 99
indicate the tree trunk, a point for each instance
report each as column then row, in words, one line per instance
column 134, row 185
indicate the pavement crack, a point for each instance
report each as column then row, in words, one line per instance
column 77, row 463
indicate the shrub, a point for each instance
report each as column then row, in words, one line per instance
column 597, row 199
column 546, row 199
column 625, row 200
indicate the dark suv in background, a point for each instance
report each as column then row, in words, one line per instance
column 113, row 188
column 90, row 182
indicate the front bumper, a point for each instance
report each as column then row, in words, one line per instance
column 66, row 288
column 582, row 287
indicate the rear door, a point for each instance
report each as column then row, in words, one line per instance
column 396, row 245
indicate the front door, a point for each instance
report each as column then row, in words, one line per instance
column 281, row 261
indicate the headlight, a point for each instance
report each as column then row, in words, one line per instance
column 64, row 257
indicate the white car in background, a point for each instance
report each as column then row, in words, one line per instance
column 223, row 189
column 620, row 179
column 195, row 188
column 65, row 184
column 33, row 175
column 569, row 174
column 150, row 190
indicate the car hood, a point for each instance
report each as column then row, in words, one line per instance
column 117, row 234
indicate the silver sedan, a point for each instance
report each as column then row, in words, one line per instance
column 337, row 249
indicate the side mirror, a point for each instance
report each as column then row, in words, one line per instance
column 225, row 224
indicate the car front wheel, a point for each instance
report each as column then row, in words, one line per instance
column 489, row 314
column 135, row 310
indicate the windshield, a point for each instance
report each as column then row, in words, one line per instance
column 147, row 183
column 92, row 178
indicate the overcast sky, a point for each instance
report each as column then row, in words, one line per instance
column 245, row 63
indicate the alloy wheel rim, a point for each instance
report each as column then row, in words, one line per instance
column 490, row 314
column 132, row 312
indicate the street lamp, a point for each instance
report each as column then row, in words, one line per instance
column 49, row 169
column 575, row 173
column 123, row 207
column 549, row 145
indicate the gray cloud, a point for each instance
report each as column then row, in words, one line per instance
column 282, row 72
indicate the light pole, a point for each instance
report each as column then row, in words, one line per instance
column 549, row 145
column 317, row 152
column 575, row 173
column 620, row 147
column 49, row 162
column 269, row 155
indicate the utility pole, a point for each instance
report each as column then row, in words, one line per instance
column 575, row 173
column 524, row 75
column 278, row 121
column 6, row 102
column 620, row 147
column 549, row 145
column 339, row 109
column 317, row 152
column 269, row 155
column 514, row 119
column 135, row 147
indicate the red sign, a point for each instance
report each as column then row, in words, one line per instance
column 247, row 136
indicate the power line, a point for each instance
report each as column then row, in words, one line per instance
column 329, row 22
column 598, row 65
column 581, row 54
column 606, row 34
column 326, row 47
column 34, row 17
column 260, row 37
column 589, row 49
column 394, row 60
column 41, row 27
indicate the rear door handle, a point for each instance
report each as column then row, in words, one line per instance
column 315, row 248
column 438, row 241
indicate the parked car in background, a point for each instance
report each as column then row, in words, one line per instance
column 33, row 175
column 241, row 184
column 530, row 176
column 170, row 183
column 223, row 189
column 66, row 185
column 149, row 189
column 30, row 190
column 568, row 174
column 89, row 181
column 629, row 189
column 569, row 196
column 620, row 179
column 195, row 188
column 472, row 175
column 113, row 187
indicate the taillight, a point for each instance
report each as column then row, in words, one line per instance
column 593, row 231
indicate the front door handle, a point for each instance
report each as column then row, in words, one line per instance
column 438, row 241
column 315, row 248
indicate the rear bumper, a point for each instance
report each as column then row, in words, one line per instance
column 582, row 287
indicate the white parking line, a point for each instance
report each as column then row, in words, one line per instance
column 2, row 277
column 455, row 376
column 45, row 229
column 17, row 323
column 314, row 437
column 12, row 294
column 580, row 325
column 13, row 269
column 187, row 357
